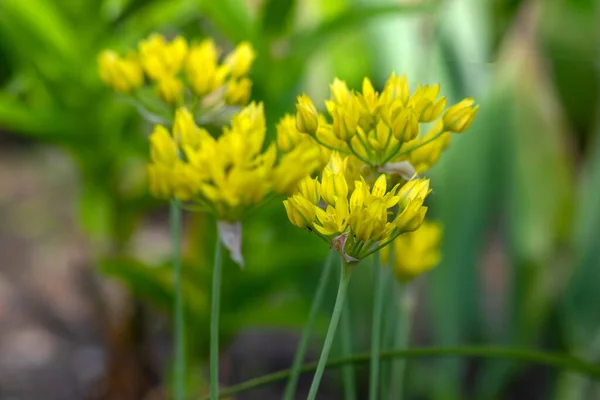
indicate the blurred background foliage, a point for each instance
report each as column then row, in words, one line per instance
column 519, row 194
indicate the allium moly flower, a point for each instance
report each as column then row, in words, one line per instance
column 416, row 252
column 229, row 175
column 382, row 128
column 182, row 73
column 123, row 75
column 359, row 222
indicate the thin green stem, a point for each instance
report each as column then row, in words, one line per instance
column 376, row 327
column 405, row 304
column 431, row 139
column 335, row 317
column 214, row 322
column 561, row 361
column 348, row 376
column 290, row 388
column 179, row 373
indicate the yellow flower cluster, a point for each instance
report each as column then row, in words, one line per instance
column 415, row 252
column 383, row 129
column 181, row 71
column 372, row 137
column 227, row 175
column 359, row 222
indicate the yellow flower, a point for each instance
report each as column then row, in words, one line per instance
column 395, row 91
column 170, row 89
column 160, row 58
column 332, row 220
column 122, row 74
column 458, row 117
column 357, row 223
column 240, row 60
column 416, row 252
column 300, row 211
column 307, row 120
column 345, row 118
column 339, row 92
column 202, row 69
column 238, row 91
column 163, row 149
column 293, row 167
column 333, row 183
column 309, row 188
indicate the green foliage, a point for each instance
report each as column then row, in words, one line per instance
column 523, row 185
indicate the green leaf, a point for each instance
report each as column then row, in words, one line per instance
column 40, row 123
column 43, row 22
column 231, row 16
column 275, row 14
column 305, row 43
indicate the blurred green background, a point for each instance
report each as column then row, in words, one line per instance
column 518, row 194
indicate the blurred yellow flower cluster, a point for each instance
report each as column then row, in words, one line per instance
column 227, row 175
column 181, row 71
column 415, row 252
column 386, row 130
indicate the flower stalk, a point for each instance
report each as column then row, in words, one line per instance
column 214, row 322
column 378, row 291
column 335, row 318
column 290, row 388
column 179, row 389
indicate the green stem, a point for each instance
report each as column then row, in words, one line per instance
column 348, row 377
column 561, row 361
column 405, row 304
column 179, row 390
column 376, row 328
column 290, row 388
column 335, row 317
column 214, row 322
column 431, row 139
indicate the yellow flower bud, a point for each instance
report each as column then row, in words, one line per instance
column 185, row 181
column 459, row 117
column 163, row 149
column 159, row 180
column 432, row 110
column 202, row 70
column 307, row 119
column 122, row 74
column 395, row 89
column 160, row 58
column 238, row 92
column 170, row 89
column 300, row 211
column 405, row 126
column 240, row 60
column 309, row 188
column 412, row 216
column 345, row 119
column 339, row 91
column 185, row 130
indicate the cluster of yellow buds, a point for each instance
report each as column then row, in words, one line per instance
column 415, row 252
column 181, row 72
column 356, row 206
column 359, row 222
column 227, row 175
column 385, row 130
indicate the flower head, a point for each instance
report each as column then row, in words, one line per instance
column 416, row 252
column 380, row 128
column 161, row 58
column 356, row 222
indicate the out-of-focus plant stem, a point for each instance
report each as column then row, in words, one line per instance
column 179, row 390
column 405, row 306
column 214, row 322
